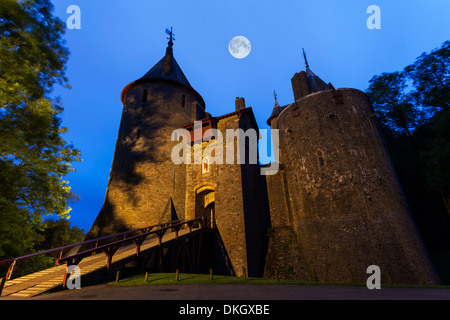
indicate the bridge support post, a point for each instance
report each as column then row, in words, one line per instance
column 138, row 242
column 2, row 284
column 109, row 252
column 10, row 270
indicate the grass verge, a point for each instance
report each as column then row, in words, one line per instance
column 189, row 278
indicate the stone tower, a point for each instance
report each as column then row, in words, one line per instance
column 145, row 187
column 341, row 198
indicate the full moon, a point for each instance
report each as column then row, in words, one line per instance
column 239, row 47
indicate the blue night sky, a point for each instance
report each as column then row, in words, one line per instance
column 119, row 41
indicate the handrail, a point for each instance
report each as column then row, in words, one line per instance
column 13, row 261
column 159, row 232
column 110, row 249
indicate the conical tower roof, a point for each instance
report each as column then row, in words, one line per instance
column 276, row 110
column 315, row 84
column 166, row 69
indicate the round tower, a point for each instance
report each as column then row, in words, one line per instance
column 344, row 200
column 145, row 187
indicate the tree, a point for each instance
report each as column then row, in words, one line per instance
column 435, row 155
column 34, row 157
column 394, row 106
column 413, row 111
column 32, row 51
column 59, row 233
column 430, row 74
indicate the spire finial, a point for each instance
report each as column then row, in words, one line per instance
column 276, row 101
column 171, row 36
column 167, row 67
column 306, row 61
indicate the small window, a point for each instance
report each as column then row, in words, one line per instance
column 321, row 162
column 144, row 96
column 183, row 100
column 321, row 158
column 205, row 165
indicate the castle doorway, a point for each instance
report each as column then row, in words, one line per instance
column 205, row 206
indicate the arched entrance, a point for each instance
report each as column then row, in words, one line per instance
column 205, row 205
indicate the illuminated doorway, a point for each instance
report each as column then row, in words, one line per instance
column 205, row 205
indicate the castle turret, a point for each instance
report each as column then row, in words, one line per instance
column 344, row 202
column 145, row 187
column 307, row 82
column 275, row 112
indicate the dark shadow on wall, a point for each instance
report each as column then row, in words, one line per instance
column 137, row 141
column 106, row 223
column 256, row 217
column 169, row 213
column 221, row 263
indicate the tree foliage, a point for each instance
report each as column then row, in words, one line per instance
column 59, row 233
column 395, row 106
column 431, row 78
column 413, row 112
column 32, row 51
column 34, row 157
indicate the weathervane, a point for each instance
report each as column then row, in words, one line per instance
column 304, row 56
column 275, row 96
column 171, row 36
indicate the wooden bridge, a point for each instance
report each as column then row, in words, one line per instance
column 176, row 244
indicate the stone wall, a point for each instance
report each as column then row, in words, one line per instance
column 344, row 201
column 284, row 255
column 240, row 216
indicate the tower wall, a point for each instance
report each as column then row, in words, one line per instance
column 300, row 85
column 145, row 187
column 344, row 202
column 284, row 256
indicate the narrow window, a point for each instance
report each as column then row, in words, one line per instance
column 183, row 100
column 320, row 158
column 144, row 96
column 321, row 162
column 205, row 165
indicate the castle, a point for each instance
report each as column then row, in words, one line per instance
column 333, row 208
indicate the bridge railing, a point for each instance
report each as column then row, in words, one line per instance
column 138, row 238
column 110, row 249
